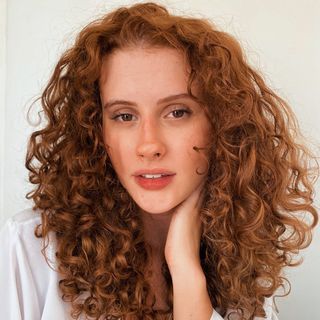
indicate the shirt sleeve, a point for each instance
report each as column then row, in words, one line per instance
column 268, row 307
column 19, row 300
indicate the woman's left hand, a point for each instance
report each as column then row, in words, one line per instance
column 182, row 248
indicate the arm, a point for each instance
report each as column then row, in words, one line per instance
column 190, row 295
column 9, row 303
column 18, row 299
column 182, row 252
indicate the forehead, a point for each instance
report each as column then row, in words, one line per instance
column 139, row 62
column 144, row 71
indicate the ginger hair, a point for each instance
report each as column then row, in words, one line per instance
column 259, row 181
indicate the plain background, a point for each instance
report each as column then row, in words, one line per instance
column 281, row 38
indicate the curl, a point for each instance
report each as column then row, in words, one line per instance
column 197, row 149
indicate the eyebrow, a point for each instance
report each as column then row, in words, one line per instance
column 110, row 103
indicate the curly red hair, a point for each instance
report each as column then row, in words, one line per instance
column 259, row 179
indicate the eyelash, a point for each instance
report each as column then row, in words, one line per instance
column 118, row 115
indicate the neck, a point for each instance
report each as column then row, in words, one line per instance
column 156, row 228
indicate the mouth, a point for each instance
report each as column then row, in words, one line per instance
column 154, row 181
column 154, row 173
column 154, row 176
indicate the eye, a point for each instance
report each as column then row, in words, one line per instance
column 179, row 113
column 125, row 117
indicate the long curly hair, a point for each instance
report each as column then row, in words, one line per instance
column 258, row 209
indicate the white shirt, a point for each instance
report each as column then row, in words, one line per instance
column 28, row 285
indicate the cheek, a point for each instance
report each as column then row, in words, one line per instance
column 190, row 153
column 197, row 147
column 115, row 150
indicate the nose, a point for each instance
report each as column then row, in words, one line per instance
column 150, row 145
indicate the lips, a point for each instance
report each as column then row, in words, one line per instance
column 154, row 184
column 161, row 171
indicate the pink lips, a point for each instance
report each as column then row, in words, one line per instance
column 153, row 183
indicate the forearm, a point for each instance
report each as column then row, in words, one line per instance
column 190, row 296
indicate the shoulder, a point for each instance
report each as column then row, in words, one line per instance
column 22, row 257
column 269, row 307
column 25, row 217
column 18, row 236
column 21, row 227
column 28, row 279
column 22, row 220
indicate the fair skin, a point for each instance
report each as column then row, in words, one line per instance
column 142, row 87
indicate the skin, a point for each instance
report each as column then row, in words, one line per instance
column 150, row 135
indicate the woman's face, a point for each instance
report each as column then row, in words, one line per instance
column 144, row 95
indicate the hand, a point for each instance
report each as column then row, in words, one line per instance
column 182, row 248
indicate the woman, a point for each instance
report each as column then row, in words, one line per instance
column 166, row 180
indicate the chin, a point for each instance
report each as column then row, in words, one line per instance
column 158, row 212
column 153, row 208
column 157, row 202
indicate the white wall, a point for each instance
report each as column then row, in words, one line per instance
column 281, row 38
column 3, row 31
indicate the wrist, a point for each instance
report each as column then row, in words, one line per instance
column 190, row 295
column 181, row 259
column 187, row 272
